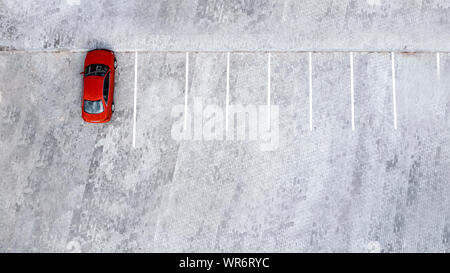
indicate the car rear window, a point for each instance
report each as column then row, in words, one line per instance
column 96, row 70
column 93, row 107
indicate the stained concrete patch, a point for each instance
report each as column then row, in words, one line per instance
column 227, row 25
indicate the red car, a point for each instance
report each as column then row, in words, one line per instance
column 98, row 80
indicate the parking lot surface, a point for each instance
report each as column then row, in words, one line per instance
column 374, row 178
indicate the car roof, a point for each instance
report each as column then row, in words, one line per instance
column 93, row 87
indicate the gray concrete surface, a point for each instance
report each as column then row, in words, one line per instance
column 68, row 186
column 226, row 25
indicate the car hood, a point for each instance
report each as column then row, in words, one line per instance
column 93, row 87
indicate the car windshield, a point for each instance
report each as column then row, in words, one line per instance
column 96, row 70
column 93, row 107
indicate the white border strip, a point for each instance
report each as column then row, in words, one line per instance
column 352, row 91
column 135, row 94
column 227, row 95
column 186, row 89
column 394, row 90
column 310, row 93
column 268, row 89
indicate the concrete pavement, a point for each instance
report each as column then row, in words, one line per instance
column 76, row 187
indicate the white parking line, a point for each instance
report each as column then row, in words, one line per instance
column 186, row 87
column 352, row 91
column 438, row 65
column 310, row 92
column 394, row 91
column 227, row 95
column 135, row 93
column 268, row 90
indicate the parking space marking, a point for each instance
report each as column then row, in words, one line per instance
column 310, row 91
column 438, row 65
column 186, row 87
column 310, row 70
column 394, row 96
column 268, row 89
column 352, row 91
column 227, row 95
column 135, row 93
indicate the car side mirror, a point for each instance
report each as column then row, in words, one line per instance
column 82, row 73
